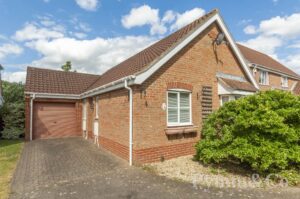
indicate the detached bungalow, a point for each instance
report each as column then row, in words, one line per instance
column 151, row 106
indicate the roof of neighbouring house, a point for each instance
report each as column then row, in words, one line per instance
column 239, row 85
column 264, row 60
column 150, row 55
column 297, row 88
column 59, row 82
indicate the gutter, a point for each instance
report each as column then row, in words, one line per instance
column 31, row 115
column 130, row 120
column 272, row 70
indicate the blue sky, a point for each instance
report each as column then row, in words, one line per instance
column 97, row 34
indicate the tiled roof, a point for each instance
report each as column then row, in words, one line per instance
column 238, row 85
column 59, row 82
column 297, row 89
column 261, row 59
column 145, row 58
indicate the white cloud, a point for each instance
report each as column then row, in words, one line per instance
column 264, row 44
column 7, row 49
column 144, row 15
column 169, row 16
column 293, row 61
column 287, row 26
column 273, row 36
column 250, row 30
column 32, row 32
column 93, row 56
column 90, row 5
column 187, row 17
column 79, row 35
column 295, row 44
column 18, row 76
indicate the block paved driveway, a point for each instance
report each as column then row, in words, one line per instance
column 75, row 168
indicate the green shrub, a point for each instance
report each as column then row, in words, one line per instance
column 261, row 131
column 12, row 111
column 12, row 133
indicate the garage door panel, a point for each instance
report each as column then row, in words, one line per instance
column 53, row 120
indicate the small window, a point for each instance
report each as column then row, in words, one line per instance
column 284, row 82
column 264, row 77
column 179, row 108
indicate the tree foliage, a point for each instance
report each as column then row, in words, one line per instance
column 12, row 111
column 67, row 66
column 261, row 131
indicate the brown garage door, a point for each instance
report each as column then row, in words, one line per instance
column 54, row 120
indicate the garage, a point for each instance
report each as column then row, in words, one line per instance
column 54, row 120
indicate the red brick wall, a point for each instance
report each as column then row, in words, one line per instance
column 274, row 81
column 194, row 67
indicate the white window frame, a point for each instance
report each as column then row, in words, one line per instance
column 284, row 81
column 266, row 81
column 178, row 91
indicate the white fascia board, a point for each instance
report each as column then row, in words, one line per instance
column 53, row 95
column 152, row 69
column 109, row 87
column 217, row 18
column 239, row 55
column 104, row 90
column 265, row 68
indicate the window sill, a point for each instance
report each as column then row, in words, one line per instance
column 181, row 130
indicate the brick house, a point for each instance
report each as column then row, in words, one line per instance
column 149, row 107
column 269, row 73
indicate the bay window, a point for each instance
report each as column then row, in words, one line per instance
column 179, row 108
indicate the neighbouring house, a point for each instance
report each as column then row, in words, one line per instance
column 269, row 73
column 150, row 107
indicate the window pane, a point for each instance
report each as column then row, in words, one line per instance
column 185, row 115
column 172, row 100
column 172, row 115
column 184, row 99
column 225, row 99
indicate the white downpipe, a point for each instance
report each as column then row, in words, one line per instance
column 130, row 120
column 31, row 115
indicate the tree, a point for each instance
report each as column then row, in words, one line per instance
column 12, row 111
column 67, row 66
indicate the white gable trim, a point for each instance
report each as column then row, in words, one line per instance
column 140, row 78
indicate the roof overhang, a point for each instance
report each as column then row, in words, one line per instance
column 141, row 77
column 53, row 95
column 223, row 89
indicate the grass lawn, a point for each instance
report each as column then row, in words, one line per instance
column 10, row 151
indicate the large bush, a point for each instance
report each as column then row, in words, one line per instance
column 12, row 111
column 261, row 131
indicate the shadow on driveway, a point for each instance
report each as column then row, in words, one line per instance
column 75, row 168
